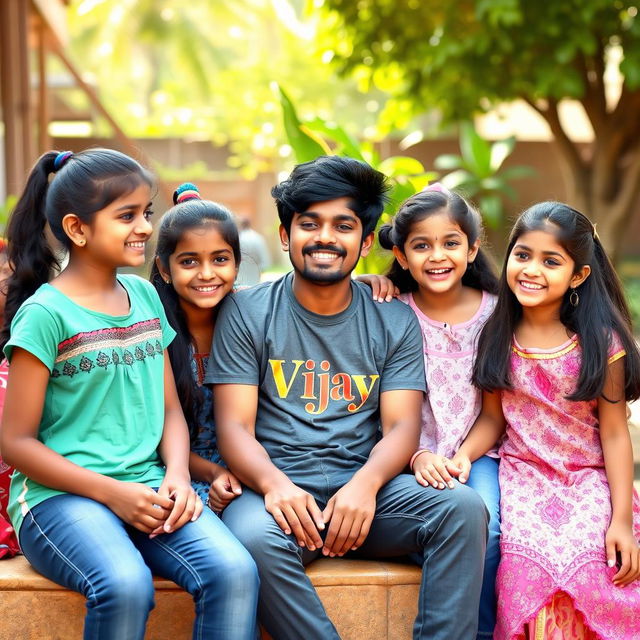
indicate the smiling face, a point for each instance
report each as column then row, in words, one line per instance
column 118, row 234
column 202, row 268
column 539, row 271
column 325, row 242
column 437, row 253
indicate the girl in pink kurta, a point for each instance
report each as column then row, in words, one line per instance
column 557, row 360
column 450, row 285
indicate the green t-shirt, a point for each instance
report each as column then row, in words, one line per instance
column 104, row 404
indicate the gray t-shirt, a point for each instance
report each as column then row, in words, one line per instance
column 319, row 377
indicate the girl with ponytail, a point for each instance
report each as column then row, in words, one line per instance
column 557, row 360
column 101, row 496
column 444, row 276
column 196, row 264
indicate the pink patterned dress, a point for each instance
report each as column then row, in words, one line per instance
column 555, row 502
column 452, row 403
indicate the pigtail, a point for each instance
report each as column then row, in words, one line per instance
column 29, row 253
column 400, row 277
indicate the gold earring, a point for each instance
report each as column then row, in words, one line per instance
column 81, row 242
column 574, row 298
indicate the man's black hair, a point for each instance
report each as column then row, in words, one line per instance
column 328, row 178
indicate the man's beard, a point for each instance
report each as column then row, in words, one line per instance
column 319, row 275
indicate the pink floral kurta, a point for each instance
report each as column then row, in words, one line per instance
column 451, row 403
column 555, row 501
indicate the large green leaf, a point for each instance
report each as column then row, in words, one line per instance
column 476, row 151
column 500, row 151
column 491, row 210
column 401, row 166
column 347, row 144
column 463, row 180
column 448, row 161
column 519, row 171
column 304, row 145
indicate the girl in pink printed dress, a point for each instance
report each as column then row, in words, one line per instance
column 557, row 361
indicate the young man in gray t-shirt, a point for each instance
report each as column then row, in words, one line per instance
column 318, row 392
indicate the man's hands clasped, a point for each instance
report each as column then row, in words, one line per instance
column 348, row 514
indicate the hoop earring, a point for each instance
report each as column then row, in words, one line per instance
column 574, row 298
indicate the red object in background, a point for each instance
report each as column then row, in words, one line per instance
column 8, row 541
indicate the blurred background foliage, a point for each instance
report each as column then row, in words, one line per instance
column 208, row 71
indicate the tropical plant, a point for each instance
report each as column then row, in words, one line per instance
column 315, row 137
column 478, row 173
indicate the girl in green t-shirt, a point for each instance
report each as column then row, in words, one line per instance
column 101, row 496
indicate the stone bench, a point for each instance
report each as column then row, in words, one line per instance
column 366, row 599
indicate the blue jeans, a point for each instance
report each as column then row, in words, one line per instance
column 484, row 479
column 448, row 528
column 84, row 546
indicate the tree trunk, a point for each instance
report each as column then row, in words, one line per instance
column 605, row 188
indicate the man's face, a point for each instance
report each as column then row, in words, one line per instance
column 325, row 242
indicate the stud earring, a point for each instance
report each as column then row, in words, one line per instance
column 81, row 242
column 168, row 280
column 574, row 298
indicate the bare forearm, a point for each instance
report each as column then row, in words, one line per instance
column 46, row 467
column 487, row 429
column 483, row 436
column 174, row 445
column 202, row 469
column 618, row 462
column 390, row 455
column 247, row 458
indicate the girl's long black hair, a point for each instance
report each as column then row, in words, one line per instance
column 83, row 184
column 184, row 216
column 601, row 311
column 435, row 199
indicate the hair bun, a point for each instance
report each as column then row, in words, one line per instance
column 385, row 236
column 186, row 191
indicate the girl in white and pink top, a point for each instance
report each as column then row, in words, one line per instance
column 453, row 402
column 444, row 277
column 557, row 360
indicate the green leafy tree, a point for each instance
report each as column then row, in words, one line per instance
column 463, row 56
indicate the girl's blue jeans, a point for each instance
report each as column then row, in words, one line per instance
column 84, row 546
column 484, row 479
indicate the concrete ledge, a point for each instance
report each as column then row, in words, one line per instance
column 366, row 599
